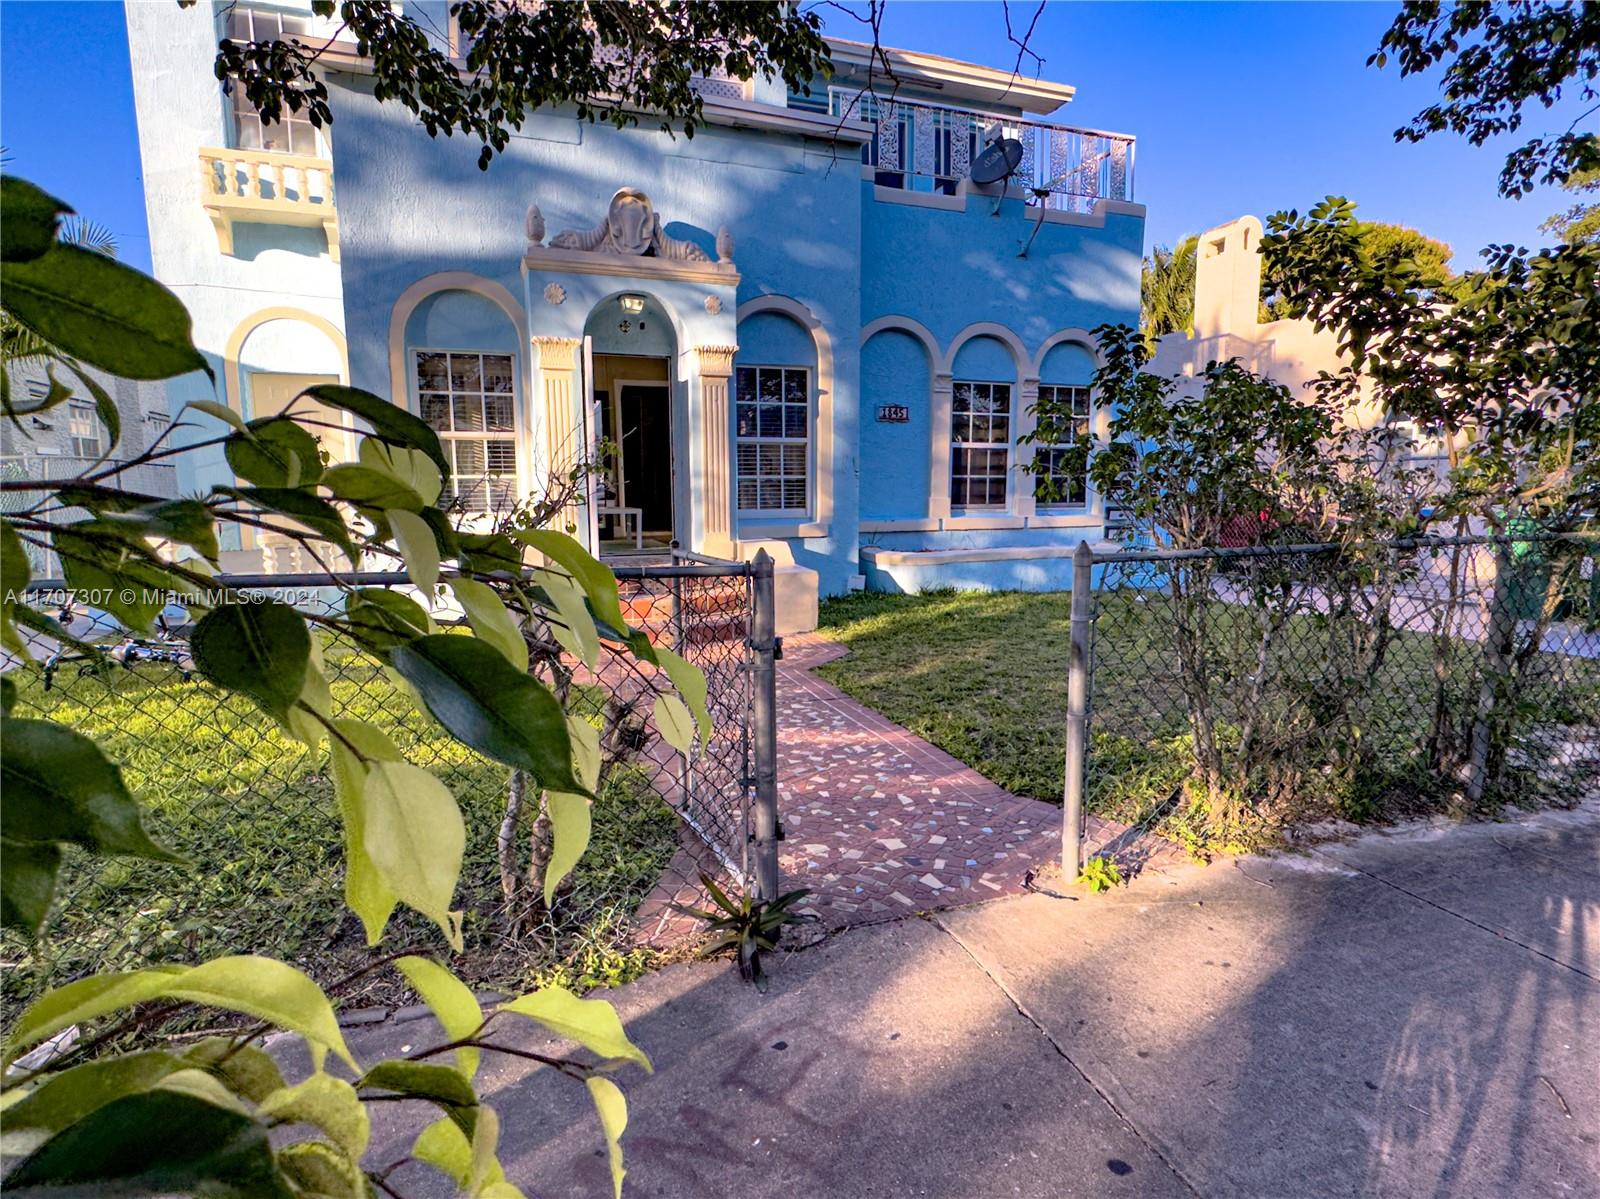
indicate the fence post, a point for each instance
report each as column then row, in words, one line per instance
column 1077, row 713
column 764, row 734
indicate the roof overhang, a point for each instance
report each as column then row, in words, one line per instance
column 964, row 80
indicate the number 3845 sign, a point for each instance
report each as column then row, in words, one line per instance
column 894, row 414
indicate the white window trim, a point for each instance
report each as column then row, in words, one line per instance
column 1086, row 422
column 514, row 435
column 776, row 515
column 81, row 415
column 957, row 446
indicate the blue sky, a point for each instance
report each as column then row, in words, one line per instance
column 1237, row 108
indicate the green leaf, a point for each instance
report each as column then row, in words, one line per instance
column 414, row 834
column 382, row 619
column 597, row 581
column 107, row 314
column 367, row 488
column 417, row 547
column 158, row 1142
column 246, row 1070
column 452, row 1003
column 488, row 553
column 486, row 702
column 576, row 631
column 414, row 468
column 302, row 508
column 389, row 422
column 30, row 220
column 15, row 572
column 674, row 723
column 327, row 1103
column 570, row 825
column 365, row 890
column 261, row 987
column 485, row 1167
column 274, row 452
column 613, row 1111
column 221, row 411
column 261, row 649
column 585, row 751
column 187, row 522
column 125, row 581
column 440, row 1085
column 491, row 620
column 58, row 786
column 320, row 1171
column 690, row 681
column 592, row 1023
column 445, row 1147
column 27, row 884
column 65, row 1098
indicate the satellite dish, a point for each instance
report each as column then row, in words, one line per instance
column 998, row 161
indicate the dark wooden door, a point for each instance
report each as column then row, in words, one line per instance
column 647, row 452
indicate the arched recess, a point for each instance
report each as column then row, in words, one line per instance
column 413, row 296
column 898, row 361
column 458, row 313
column 822, row 391
column 1079, row 337
column 1004, row 359
column 231, row 354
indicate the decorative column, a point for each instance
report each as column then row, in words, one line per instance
column 939, row 461
column 1024, row 420
column 715, row 369
column 563, row 430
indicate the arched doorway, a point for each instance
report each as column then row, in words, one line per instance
column 633, row 348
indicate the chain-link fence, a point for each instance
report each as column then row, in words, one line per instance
column 254, row 815
column 1227, row 693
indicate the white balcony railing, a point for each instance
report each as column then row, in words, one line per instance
column 268, row 187
column 930, row 147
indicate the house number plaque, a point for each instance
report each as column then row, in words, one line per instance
column 894, row 414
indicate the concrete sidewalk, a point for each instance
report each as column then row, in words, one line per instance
column 1414, row 1013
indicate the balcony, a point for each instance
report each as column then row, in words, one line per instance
column 930, row 148
column 268, row 187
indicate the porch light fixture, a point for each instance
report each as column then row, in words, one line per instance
column 633, row 304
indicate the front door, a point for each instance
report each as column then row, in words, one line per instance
column 645, row 410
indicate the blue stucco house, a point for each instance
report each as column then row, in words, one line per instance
column 806, row 329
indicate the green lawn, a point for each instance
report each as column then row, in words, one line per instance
column 254, row 815
column 984, row 677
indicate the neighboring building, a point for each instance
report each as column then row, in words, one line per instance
column 794, row 351
column 1294, row 352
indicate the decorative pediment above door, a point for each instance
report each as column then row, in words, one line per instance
column 629, row 240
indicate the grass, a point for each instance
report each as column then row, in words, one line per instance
column 983, row 675
column 254, row 815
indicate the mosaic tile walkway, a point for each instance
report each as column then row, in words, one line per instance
column 879, row 824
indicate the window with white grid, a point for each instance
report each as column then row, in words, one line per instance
column 772, row 406
column 83, row 429
column 470, row 400
column 1063, row 482
column 294, row 134
column 980, row 444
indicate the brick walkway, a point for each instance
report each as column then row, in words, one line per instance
column 877, row 822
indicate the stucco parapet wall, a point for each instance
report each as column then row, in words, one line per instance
column 1006, row 553
column 584, row 262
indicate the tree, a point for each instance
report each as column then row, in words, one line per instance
column 205, row 1118
column 1498, row 59
column 1376, row 241
column 611, row 59
column 1581, row 221
column 1166, row 291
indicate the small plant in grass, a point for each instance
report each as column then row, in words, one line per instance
column 749, row 926
column 1101, row 874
